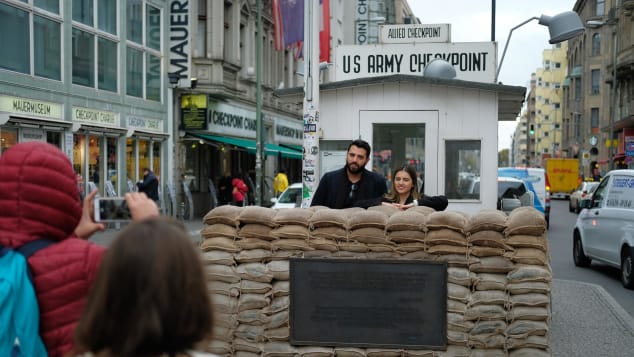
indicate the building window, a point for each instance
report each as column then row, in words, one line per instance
column 143, row 56
column 558, row 64
column 462, row 169
column 95, row 40
column 595, row 76
column 596, row 44
column 594, row 118
column 556, row 105
column 16, row 22
column 600, row 7
column 578, row 89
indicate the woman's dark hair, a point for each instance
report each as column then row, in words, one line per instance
column 411, row 171
column 150, row 295
column 361, row 144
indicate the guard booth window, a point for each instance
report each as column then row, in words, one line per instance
column 462, row 169
column 394, row 145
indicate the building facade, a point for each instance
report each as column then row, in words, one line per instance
column 86, row 77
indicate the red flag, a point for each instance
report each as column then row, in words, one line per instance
column 324, row 31
column 277, row 23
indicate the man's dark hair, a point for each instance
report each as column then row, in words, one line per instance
column 361, row 144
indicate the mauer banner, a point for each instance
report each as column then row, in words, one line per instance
column 473, row 61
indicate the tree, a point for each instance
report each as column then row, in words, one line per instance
column 503, row 158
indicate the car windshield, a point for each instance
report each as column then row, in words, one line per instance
column 290, row 195
column 508, row 189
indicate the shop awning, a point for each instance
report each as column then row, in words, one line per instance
column 250, row 145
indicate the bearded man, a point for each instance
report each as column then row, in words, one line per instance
column 344, row 187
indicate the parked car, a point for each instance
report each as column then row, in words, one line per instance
column 536, row 181
column 290, row 198
column 604, row 230
column 513, row 193
column 585, row 189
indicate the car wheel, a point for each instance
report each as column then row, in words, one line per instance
column 570, row 206
column 627, row 267
column 578, row 255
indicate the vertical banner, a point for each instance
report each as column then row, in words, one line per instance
column 180, row 40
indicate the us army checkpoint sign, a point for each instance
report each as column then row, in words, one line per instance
column 473, row 61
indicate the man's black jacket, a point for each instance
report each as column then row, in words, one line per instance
column 334, row 189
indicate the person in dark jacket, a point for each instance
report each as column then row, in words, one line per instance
column 404, row 193
column 149, row 185
column 344, row 187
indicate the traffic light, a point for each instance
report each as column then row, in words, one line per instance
column 532, row 130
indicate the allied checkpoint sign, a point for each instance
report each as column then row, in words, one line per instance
column 473, row 61
column 415, row 33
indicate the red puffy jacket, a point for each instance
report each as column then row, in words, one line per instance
column 39, row 199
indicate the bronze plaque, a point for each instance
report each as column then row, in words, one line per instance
column 368, row 303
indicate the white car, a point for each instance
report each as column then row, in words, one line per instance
column 290, row 198
column 604, row 230
column 584, row 191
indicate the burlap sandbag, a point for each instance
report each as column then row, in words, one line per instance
column 525, row 328
column 445, row 236
column 219, row 243
column 255, row 272
column 224, row 304
column 297, row 216
column 223, row 288
column 447, row 219
column 494, row 341
column 486, row 220
column 250, row 333
column 454, row 351
column 241, row 344
column 253, row 243
column 217, row 272
column 418, row 353
column 530, row 273
column 318, row 253
column 387, row 210
column 453, row 260
column 368, row 235
column 480, row 251
column 424, row 210
column 381, row 255
column 277, row 304
column 460, row 276
column 404, row 236
column 226, row 214
column 525, row 220
column 491, row 239
column 458, row 292
column 487, row 352
column 447, row 249
column 456, row 306
column 221, row 333
column 254, row 287
column 406, row 221
column 485, row 312
column 253, row 317
column 245, row 354
column 279, row 268
column 278, row 349
column 286, row 254
column 528, row 241
column 418, row 255
column 219, row 348
column 329, row 218
column 410, row 247
column 252, row 301
column 489, row 327
column 492, row 265
column 458, row 323
column 530, row 256
column 280, row 288
column 490, row 297
column 290, row 231
column 277, row 334
column 529, row 299
column 335, row 233
column 490, row 281
column 382, row 248
column 310, row 351
column 367, row 219
column 529, row 313
column 353, row 246
column 218, row 257
column 255, row 230
column 291, row 244
column 528, row 287
column 218, row 230
column 257, row 214
column 225, row 320
column 539, row 342
column 349, row 352
column 383, row 352
column 253, row 255
column 457, row 338
column 323, row 244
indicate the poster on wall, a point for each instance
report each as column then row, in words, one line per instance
column 194, row 112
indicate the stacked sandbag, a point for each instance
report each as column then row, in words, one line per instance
column 498, row 274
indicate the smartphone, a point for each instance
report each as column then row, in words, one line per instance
column 112, row 209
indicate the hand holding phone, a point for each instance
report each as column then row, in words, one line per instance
column 112, row 209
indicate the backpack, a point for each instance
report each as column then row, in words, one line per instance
column 19, row 311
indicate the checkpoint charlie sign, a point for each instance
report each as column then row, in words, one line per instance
column 473, row 61
column 415, row 33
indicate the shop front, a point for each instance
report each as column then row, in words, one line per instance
column 218, row 140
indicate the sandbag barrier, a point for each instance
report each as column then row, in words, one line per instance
column 498, row 279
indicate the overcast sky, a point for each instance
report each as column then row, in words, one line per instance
column 471, row 22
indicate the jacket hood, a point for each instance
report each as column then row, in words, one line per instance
column 38, row 194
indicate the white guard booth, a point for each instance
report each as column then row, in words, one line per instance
column 446, row 128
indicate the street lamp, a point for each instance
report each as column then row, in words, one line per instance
column 561, row 27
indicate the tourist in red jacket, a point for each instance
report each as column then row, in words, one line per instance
column 39, row 200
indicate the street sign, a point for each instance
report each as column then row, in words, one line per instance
column 415, row 33
column 585, row 157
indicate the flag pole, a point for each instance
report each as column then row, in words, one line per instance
column 310, row 164
column 258, row 109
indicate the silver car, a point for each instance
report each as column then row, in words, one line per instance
column 584, row 191
column 604, row 230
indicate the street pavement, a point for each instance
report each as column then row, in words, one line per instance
column 586, row 320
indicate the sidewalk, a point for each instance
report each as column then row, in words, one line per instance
column 586, row 320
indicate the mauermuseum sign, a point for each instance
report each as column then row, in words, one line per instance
column 473, row 61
